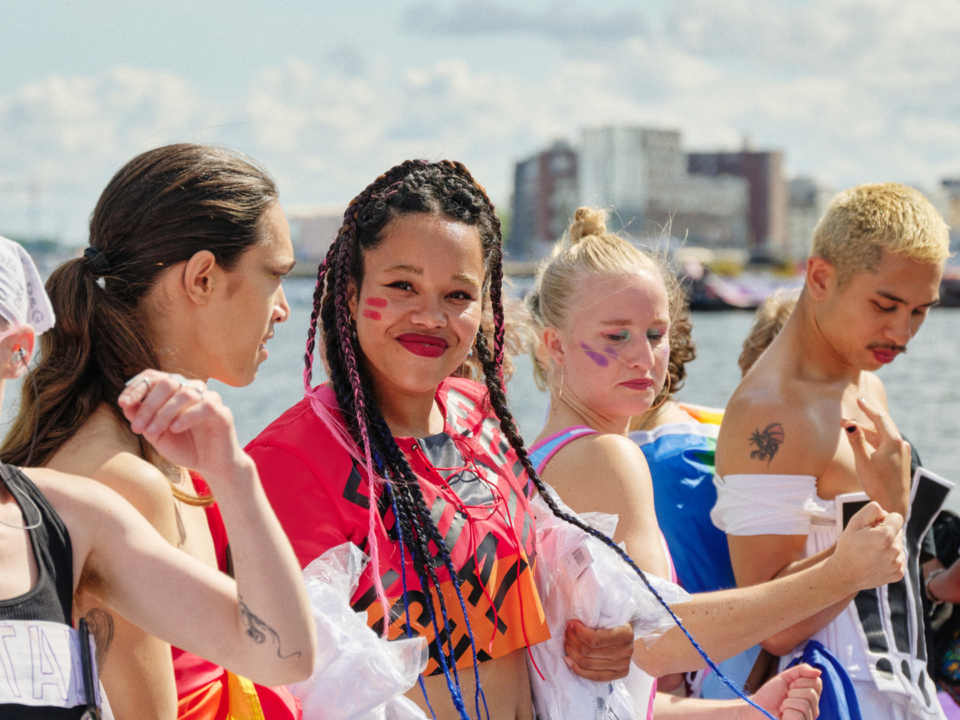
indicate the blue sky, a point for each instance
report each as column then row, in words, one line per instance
column 328, row 95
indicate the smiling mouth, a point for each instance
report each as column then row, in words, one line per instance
column 423, row 345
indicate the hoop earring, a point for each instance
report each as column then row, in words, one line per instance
column 665, row 395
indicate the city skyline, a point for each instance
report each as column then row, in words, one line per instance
column 328, row 96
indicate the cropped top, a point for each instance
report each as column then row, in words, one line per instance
column 469, row 478
column 879, row 636
column 31, row 639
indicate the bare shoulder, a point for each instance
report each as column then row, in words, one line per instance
column 597, row 472
column 772, row 429
column 873, row 390
column 103, row 452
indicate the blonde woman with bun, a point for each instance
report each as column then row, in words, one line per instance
column 603, row 310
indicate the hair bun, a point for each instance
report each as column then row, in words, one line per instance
column 586, row 222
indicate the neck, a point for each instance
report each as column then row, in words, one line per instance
column 411, row 414
column 567, row 410
column 805, row 341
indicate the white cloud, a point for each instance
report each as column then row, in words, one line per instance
column 851, row 90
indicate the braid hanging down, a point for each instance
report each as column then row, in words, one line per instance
column 444, row 188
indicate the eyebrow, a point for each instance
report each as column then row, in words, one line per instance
column 630, row 322
column 405, row 268
column 893, row 298
column 416, row 270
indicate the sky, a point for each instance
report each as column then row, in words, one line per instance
column 328, row 95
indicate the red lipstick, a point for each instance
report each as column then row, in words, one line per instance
column 423, row 345
column 884, row 356
column 638, row 384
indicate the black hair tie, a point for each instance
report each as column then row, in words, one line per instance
column 98, row 259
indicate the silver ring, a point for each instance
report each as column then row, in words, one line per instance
column 201, row 390
column 145, row 379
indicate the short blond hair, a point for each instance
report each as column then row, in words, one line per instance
column 769, row 320
column 587, row 249
column 862, row 222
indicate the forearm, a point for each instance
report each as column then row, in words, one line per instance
column 728, row 622
column 665, row 706
column 944, row 585
column 273, row 610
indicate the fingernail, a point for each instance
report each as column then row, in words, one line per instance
column 131, row 381
column 569, row 662
column 852, row 429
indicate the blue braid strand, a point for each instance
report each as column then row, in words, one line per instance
column 406, row 600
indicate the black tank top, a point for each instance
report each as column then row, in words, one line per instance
column 51, row 598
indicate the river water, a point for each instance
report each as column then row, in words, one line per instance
column 923, row 387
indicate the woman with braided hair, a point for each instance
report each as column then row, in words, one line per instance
column 402, row 456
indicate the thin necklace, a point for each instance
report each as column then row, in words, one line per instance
column 26, row 497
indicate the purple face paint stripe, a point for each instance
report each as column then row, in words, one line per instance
column 595, row 356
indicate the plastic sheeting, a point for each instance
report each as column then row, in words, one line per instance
column 357, row 675
column 579, row 577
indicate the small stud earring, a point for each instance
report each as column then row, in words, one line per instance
column 470, row 354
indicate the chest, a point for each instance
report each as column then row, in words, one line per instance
column 839, row 473
column 20, row 572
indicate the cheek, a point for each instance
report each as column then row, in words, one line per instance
column 597, row 358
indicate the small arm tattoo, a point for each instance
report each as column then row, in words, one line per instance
column 100, row 624
column 257, row 630
column 768, row 441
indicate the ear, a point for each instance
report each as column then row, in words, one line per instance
column 201, row 276
column 821, row 278
column 12, row 364
column 553, row 343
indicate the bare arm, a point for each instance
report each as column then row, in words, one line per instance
column 728, row 622
column 792, row 695
column 258, row 626
column 135, row 667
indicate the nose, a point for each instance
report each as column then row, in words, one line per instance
column 281, row 309
column 900, row 331
column 428, row 313
column 643, row 356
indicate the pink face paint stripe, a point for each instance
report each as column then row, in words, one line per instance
column 372, row 314
column 376, row 302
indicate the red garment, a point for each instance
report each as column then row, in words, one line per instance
column 194, row 674
column 468, row 476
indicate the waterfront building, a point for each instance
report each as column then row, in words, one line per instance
column 807, row 203
column 767, row 209
column 544, row 200
column 642, row 175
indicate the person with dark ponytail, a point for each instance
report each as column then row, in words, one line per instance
column 604, row 311
column 188, row 246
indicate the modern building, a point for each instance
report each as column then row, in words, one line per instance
column 767, row 233
column 951, row 188
column 313, row 230
column 807, row 203
column 544, row 200
column 642, row 176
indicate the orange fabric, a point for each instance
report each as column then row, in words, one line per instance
column 468, row 477
column 208, row 692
